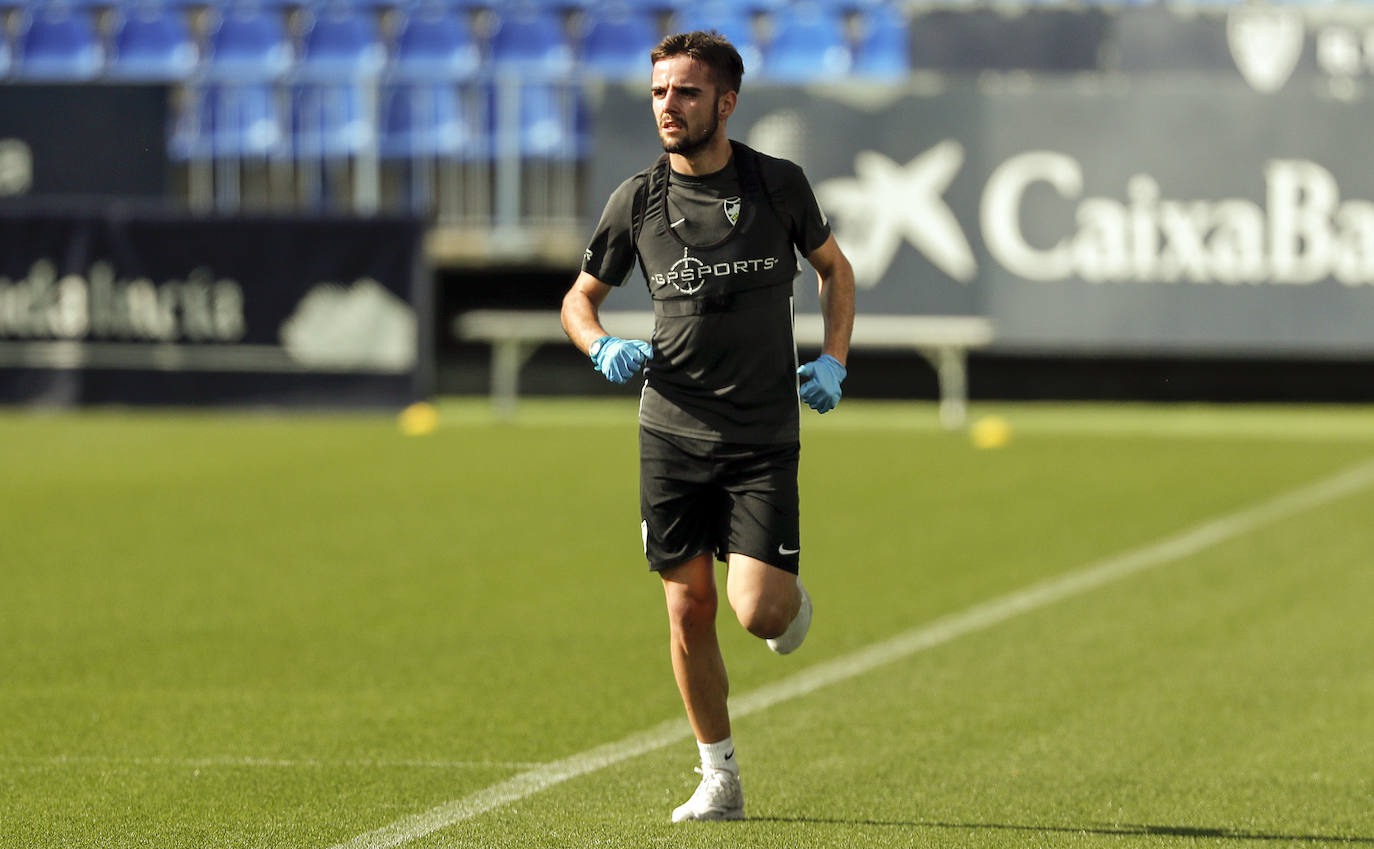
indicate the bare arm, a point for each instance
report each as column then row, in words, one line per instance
column 580, row 311
column 836, row 287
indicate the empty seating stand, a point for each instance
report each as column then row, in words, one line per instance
column 152, row 42
column 465, row 110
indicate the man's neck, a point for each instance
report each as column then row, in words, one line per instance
column 707, row 160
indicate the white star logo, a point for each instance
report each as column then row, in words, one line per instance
column 885, row 202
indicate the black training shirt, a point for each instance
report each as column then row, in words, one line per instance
column 714, row 244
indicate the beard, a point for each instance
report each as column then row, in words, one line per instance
column 689, row 143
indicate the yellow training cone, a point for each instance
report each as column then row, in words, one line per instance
column 418, row 419
column 990, row 432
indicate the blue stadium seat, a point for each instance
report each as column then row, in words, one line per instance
column 183, row 6
column 553, row 122
column 342, row 42
column 240, row 113
column 661, row 6
column 618, row 40
column 249, row 43
column 84, row 6
column 531, row 40
column 547, row 5
column 333, row 120
column 733, row 21
column 884, row 46
column 192, row 127
column 152, row 43
column 246, row 119
column 228, row 120
column 452, row 5
column 429, row 119
column 809, row 44
column 274, row 7
column 6, row 55
column 435, row 43
column 60, row 44
column 333, row 111
column 861, row 5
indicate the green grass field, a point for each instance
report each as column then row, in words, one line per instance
column 249, row 630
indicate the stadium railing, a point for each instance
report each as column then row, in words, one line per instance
column 943, row 340
column 473, row 113
column 323, row 106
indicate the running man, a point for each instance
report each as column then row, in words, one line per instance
column 716, row 226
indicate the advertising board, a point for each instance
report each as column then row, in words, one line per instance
column 1114, row 214
column 126, row 307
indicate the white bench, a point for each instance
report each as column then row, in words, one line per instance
column 944, row 340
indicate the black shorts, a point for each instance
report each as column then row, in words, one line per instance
column 698, row 497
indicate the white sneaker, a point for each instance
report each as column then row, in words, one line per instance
column 791, row 639
column 718, row 797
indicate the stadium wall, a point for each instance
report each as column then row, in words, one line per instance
column 1148, row 201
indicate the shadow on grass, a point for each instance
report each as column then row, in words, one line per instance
column 1115, row 830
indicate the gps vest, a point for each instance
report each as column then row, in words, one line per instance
column 724, row 364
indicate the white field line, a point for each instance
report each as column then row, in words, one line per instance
column 250, row 761
column 930, row 635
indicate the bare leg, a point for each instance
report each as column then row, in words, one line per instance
column 690, row 593
column 765, row 598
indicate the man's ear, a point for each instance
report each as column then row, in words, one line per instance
column 725, row 106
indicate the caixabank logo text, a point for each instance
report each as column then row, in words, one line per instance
column 1295, row 228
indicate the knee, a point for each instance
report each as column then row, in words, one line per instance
column 692, row 607
column 764, row 618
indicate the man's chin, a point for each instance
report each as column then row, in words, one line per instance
column 685, row 147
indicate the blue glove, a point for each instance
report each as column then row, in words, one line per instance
column 618, row 359
column 821, row 380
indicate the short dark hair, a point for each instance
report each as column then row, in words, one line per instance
column 708, row 47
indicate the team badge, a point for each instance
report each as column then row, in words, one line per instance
column 731, row 206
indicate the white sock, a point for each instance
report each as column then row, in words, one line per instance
column 719, row 755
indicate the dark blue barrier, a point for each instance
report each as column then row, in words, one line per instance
column 127, row 306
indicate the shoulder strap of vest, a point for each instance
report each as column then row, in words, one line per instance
column 747, row 170
column 649, row 194
column 750, row 172
column 651, row 191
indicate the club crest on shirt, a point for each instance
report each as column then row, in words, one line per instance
column 731, row 207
